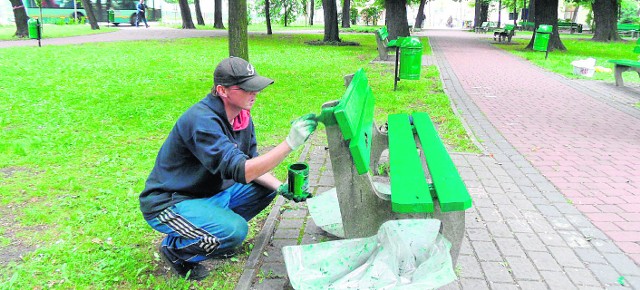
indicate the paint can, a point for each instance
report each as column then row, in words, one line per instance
column 298, row 180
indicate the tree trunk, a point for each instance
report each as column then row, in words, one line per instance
column 91, row 16
column 311, row 10
column 396, row 16
column 346, row 9
column 499, row 12
column 20, row 15
column 267, row 14
column 605, row 17
column 100, row 11
column 331, row 33
column 238, row 41
column 481, row 13
column 198, row 12
column 217, row 15
column 546, row 12
column 575, row 13
column 420, row 17
column 185, row 13
column 285, row 12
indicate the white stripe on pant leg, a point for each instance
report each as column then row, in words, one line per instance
column 183, row 227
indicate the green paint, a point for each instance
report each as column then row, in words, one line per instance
column 621, row 280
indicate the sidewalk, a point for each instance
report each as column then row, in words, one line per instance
column 555, row 193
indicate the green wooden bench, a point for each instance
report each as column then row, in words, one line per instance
column 526, row 25
column 418, row 189
column 486, row 26
column 572, row 26
column 628, row 29
column 504, row 34
column 623, row 65
column 384, row 44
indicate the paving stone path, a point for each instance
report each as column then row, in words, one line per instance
column 555, row 192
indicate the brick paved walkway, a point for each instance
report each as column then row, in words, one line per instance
column 560, row 163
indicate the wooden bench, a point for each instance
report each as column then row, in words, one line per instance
column 486, row 26
column 502, row 34
column 526, row 25
column 384, row 44
column 572, row 26
column 623, row 65
column 628, row 29
column 355, row 147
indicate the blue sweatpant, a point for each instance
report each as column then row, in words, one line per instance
column 200, row 228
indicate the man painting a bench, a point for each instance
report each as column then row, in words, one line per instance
column 208, row 179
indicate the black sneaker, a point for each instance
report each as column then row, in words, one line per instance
column 187, row 270
column 228, row 253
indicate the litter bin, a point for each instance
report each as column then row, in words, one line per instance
column 34, row 28
column 543, row 34
column 410, row 58
column 111, row 15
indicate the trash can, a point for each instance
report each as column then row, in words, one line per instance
column 543, row 34
column 34, row 28
column 111, row 15
column 410, row 58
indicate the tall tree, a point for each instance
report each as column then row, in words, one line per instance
column 396, row 17
column 420, row 15
column 546, row 12
column 346, row 9
column 605, row 16
column 217, row 15
column 267, row 14
column 88, row 8
column 238, row 22
column 312, row 8
column 20, row 15
column 199, row 17
column 481, row 13
column 331, row 32
column 185, row 13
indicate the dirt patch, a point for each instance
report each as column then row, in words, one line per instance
column 8, row 172
column 13, row 247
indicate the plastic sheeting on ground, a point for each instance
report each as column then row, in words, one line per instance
column 405, row 254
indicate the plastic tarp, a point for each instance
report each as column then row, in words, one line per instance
column 405, row 254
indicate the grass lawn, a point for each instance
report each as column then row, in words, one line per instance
column 579, row 46
column 85, row 122
column 52, row 31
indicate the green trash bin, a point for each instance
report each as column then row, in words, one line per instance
column 34, row 28
column 543, row 34
column 410, row 58
column 111, row 15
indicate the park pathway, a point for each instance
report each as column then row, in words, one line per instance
column 583, row 136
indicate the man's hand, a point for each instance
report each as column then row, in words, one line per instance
column 301, row 129
column 284, row 191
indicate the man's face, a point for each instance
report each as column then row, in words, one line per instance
column 240, row 98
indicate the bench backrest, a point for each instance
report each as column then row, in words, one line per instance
column 383, row 33
column 354, row 114
column 628, row 26
column 509, row 27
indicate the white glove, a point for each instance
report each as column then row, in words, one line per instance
column 301, row 129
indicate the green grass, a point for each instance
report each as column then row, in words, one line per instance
column 52, row 31
column 82, row 133
column 579, row 46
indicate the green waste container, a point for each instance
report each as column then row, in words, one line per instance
column 111, row 15
column 34, row 28
column 543, row 34
column 410, row 58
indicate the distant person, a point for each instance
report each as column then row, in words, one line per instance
column 140, row 9
column 208, row 180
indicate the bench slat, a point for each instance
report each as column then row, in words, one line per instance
column 451, row 191
column 348, row 112
column 409, row 189
column 354, row 115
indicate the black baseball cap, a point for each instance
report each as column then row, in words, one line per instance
column 237, row 71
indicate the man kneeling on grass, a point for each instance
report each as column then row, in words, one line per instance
column 208, row 179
